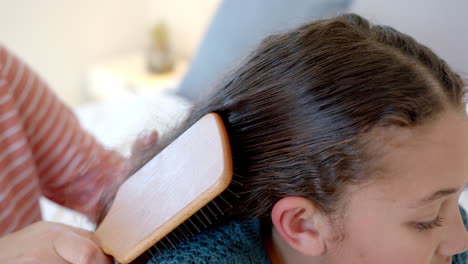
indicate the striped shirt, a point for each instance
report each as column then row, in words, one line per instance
column 44, row 151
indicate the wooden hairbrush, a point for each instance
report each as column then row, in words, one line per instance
column 168, row 190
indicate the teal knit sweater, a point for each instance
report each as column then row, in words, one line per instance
column 237, row 242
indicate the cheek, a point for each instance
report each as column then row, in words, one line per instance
column 373, row 238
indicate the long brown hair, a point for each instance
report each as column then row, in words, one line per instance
column 300, row 110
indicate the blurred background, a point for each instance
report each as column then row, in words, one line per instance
column 125, row 65
column 73, row 43
column 63, row 39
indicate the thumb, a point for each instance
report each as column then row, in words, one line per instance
column 144, row 141
column 142, row 146
column 78, row 248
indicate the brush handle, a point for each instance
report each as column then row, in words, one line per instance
column 179, row 181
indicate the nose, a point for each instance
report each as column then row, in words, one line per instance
column 455, row 238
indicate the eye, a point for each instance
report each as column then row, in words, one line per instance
column 423, row 226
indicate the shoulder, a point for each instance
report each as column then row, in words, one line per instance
column 462, row 257
column 238, row 241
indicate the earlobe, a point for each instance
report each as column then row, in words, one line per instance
column 300, row 225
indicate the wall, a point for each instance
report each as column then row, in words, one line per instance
column 441, row 25
column 60, row 38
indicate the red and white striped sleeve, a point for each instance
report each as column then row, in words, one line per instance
column 43, row 150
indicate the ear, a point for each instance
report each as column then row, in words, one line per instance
column 301, row 225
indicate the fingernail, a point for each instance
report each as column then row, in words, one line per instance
column 144, row 133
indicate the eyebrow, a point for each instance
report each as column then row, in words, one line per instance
column 435, row 196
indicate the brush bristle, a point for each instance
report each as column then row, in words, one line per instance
column 211, row 215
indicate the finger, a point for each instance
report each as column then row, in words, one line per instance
column 81, row 232
column 144, row 141
column 79, row 249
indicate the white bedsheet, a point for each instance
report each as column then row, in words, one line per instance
column 116, row 124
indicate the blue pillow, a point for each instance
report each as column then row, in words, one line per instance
column 238, row 27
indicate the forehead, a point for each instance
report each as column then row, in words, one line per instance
column 415, row 161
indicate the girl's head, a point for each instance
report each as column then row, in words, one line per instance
column 352, row 139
